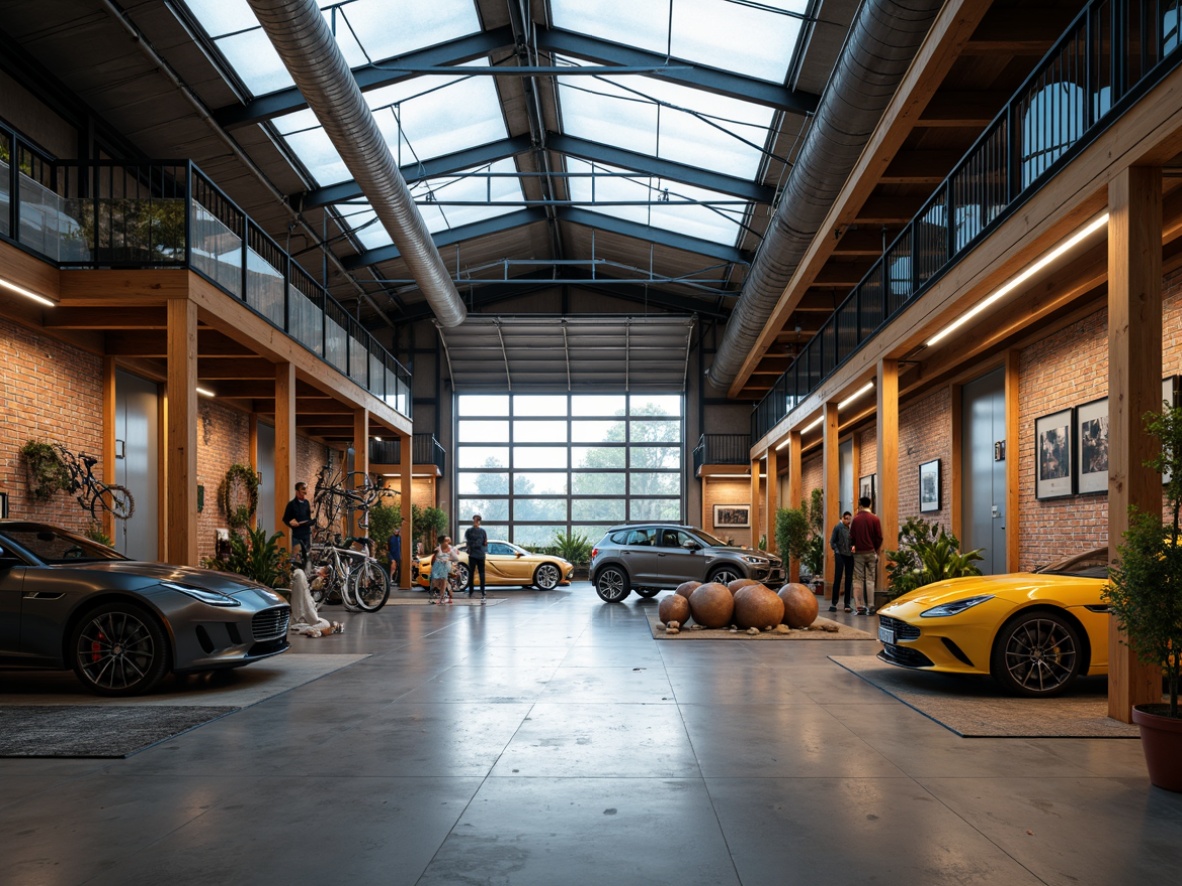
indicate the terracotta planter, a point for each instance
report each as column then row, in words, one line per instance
column 1161, row 741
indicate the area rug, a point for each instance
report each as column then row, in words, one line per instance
column 975, row 707
column 459, row 601
column 95, row 730
column 842, row 632
column 238, row 688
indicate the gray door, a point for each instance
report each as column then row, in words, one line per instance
column 845, row 472
column 983, row 493
column 265, row 459
column 137, row 461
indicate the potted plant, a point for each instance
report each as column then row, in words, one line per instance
column 1144, row 595
column 792, row 533
column 926, row 554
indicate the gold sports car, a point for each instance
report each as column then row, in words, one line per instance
column 1035, row 632
column 506, row 564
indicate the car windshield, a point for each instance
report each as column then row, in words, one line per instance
column 52, row 545
column 710, row 540
column 1092, row 564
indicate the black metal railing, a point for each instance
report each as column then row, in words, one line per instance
column 722, row 449
column 425, row 450
column 169, row 214
column 1112, row 53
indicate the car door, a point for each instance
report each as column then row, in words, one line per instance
column 504, row 566
column 677, row 562
column 12, row 580
column 641, row 557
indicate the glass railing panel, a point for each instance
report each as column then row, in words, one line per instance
column 5, row 185
column 377, row 375
column 390, row 397
column 305, row 320
column 358, row 360
column 900, row 284
column 336, row 344
column 216, row 250
column 264, row 287
column 47, row 223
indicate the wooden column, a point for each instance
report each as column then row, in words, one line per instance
column 285, row 443
column 830, row 483
column 772, row 492
column 1013, row 527
column 888, row 461
column 795, row 485
column 406, row 462
column 108, row 525
column 181, row 433
column 950, row 481
column 756, row 523
column 1134, row 388
column 360, row 464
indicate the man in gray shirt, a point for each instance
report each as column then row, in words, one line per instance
column 843, row 560
column 477, row 542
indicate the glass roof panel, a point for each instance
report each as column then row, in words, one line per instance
column 367, row 30
column 755, row 39
column 685, row 212
column 673, row 122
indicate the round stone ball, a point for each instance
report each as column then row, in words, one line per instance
column 674, row 608
column 757, row 606
column 687, row 587
column 742, row 583
column 712, row 605
column 800, row 605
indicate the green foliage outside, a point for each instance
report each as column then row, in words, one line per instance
column 427, row 524
column 926, row 554
column 255, row 556
column 382, row 520
column 573, row 547
column 1145, row 589
column 47, row 473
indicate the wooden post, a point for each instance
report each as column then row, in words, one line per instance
column 772, row 491
column 795, row 484
column 360, row 465
column 285, row 443
column 1013, row 523
column 830, row 484
column 1134, row 388
column 888, row 461
column 754, row 520
column 109, row 525
column 181, row 388
column 405, row 463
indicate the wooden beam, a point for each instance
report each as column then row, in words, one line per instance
column 772, row 491
column 286, row 453
column 1013, row 524
column 755, row 521
column 831, row 484
column 920, row 167
column 795, row 487
column 888, row 459
column 147, row 317
column 86, row 288
column 231, row 368
column 1134, row 388
column 181, row 500
column 406, row 492
column 110, row 416
column 969, row 110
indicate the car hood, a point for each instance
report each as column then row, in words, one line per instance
column 739, row 549
column 151, row 573
column 1067, row 590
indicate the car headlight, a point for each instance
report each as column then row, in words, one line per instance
column 759, row 561
column 211, row 597
column 956, row 607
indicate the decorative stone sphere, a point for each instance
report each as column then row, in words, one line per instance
column 742, row 583
column 712, row 605
column 757, row 606
column 673, row 608
column 800, row 605
column 687, row 587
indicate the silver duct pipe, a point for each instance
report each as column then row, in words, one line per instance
column 308, row 49
column 881, row 45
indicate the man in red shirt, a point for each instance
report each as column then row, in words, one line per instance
column 866, row 536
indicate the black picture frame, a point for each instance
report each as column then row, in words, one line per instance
column 929, row 486
column 1091, row 457
column 732, row 516
column 866, row 489
column 1054, row 454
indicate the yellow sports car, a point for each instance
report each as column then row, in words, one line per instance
column 1035, row 632
column 507, row 564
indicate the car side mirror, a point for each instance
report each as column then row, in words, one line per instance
column 519, row 554
column 692, row 546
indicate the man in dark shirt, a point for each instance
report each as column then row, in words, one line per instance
column 866, row 535
column 477, row 542
column 843, row 561
column 298, row 515
column 394, row 545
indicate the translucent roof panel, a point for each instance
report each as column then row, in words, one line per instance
column 366, row 30
column 755, row 39
column 668, row 205
column 672, row 122
column 447, row 202
column 421, row 118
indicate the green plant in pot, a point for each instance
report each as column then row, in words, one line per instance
column 792, row 533
column 1144, row 595
column 926, row 554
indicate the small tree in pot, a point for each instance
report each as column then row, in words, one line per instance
column 1145, row 597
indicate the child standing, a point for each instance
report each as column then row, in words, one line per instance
column 441, row 565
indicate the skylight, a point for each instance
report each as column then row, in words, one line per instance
column 755, row 39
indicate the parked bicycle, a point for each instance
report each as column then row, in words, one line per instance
column 338, row 573
column 94, row 493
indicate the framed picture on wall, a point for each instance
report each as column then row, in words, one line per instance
column 732, row 516
column 1053, row 474
column 1091, row 430
column 1169, row 399
column 866, row 489
column 929, row 486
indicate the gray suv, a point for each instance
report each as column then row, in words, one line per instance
column 649, row 557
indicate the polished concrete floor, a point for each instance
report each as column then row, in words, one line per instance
column 550, row 740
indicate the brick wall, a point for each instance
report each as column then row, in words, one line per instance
column 925, row 433
column 223, row 439
column 718, row 491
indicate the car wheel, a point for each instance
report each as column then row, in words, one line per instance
column 724, row 575
column 648, row 592
column 1037, row 654
column 371, row 586
column 462, row 575
column 547, row 577
column 612, row 584
column 119, row 649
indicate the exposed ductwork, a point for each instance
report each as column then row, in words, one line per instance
column 881, row 45
column 307, row 47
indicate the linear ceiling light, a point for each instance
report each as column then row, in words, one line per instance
column 813, row 424
column 787, row 440
column 1064, row 247
column 27, row 293
column 205, row 392
column 869, row 386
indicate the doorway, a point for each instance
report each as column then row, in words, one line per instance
column 265, row 461
column 983, row 490
column 137, row 463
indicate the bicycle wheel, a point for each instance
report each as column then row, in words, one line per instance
column 115, row 499
column 371, row 586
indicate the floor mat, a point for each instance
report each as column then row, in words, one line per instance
column 95, row 730
column 975, row 707
column 459, row 601
column 821, row 629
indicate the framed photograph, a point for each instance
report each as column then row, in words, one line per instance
column 1091, row 430
column 732, row 516
column 1053, row 474
column 1169, row 399
column 866, row 490
column 929, row 486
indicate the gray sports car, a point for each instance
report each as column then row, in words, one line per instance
column 67, row 602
